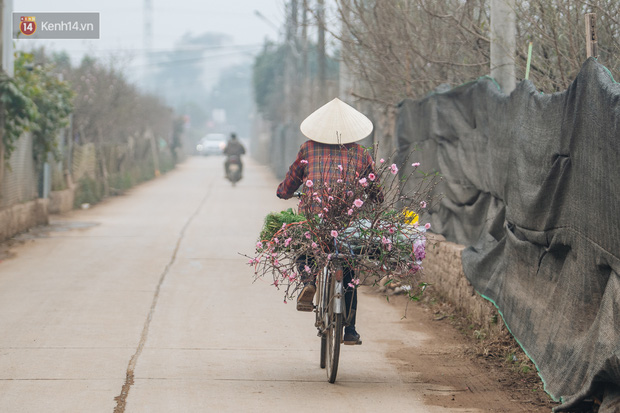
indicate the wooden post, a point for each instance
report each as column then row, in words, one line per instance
column 591, row 39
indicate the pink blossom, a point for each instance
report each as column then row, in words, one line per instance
column 381, row 160
column 307, row 234
column 330, row 198
column 309, row 183
column 275, row 282
column 387, row 242
column 252, row 261
column 350, row 212
column 326, row 209
column 314, row 244
column 391, row 230
column 422, row 204
column 349, row 193
column 334, row 233
column 354, row 282
column 320, row 215
column 303, row 162
column 259, row 244
column 292, row 277
column 283, row 225
column 394, row 169
column 340, row 167
column 276, row 240
column 318, row 200
column 287, row 241
column 358, row 203
column 371, row 176
column 418, row 250
column 276, row 263
column 339, row 181
column 362, row 181
column 329, row 257
column 415, row 164
column 427, row 225
column 307, row 269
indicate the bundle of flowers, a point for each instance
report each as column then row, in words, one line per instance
column 366, row 218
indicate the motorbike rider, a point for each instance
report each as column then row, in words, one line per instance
column 233, row 148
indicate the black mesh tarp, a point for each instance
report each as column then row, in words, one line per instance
column 532, row 188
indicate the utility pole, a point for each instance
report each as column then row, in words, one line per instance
column 503, row 43
column 305, row 66
column 2, row 131
column 321, row 58
column 147, row 45
column 290, row 63
column 345, row 80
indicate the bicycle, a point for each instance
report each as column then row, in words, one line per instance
column 331, row 313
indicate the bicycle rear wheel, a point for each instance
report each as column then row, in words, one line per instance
column 333, row 335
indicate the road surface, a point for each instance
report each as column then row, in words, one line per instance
column 143, row 304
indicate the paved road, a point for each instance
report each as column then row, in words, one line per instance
column 143, row 304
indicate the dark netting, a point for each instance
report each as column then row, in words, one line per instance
column 532, row 188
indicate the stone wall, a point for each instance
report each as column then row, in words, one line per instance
column 444, row 270
column 21, row 217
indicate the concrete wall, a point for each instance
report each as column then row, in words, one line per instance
column 444, row 270
column 21, row 217
column 61, row 201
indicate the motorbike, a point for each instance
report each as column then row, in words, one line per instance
column 233, row 173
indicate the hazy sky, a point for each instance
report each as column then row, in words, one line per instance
column 122, row 24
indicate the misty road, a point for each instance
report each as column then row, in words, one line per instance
column 143, row 304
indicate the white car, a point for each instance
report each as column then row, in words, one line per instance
column 212, row 144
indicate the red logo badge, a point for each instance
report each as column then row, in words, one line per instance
column 27, row 25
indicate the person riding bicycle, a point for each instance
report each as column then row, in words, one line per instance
column 332, row 130
column 233, row 148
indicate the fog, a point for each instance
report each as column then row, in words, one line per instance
column 195, row 55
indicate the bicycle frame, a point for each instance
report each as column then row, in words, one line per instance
column 324, row 300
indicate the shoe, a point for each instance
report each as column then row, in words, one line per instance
column 351, row 339
column 304, row 301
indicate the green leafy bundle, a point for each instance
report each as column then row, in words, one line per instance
column 275, row 220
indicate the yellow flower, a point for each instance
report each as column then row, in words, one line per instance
column 412, row 217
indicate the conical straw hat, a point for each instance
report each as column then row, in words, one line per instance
column 336, row 123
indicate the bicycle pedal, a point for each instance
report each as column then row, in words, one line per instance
column 304, row 306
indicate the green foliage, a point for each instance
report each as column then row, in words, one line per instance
column 88, row 191
column 18, row 112
column 274, row 221
column 36, row 100
column 267, row 79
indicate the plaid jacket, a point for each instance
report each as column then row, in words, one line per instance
column 324, row 164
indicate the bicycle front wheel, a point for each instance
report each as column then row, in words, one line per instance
column 323, row 350
column 333, row 334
